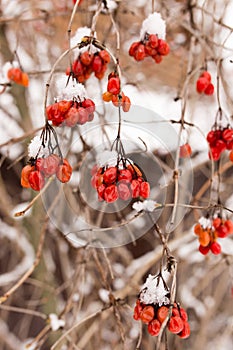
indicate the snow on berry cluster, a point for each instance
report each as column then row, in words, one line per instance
column 14, row 73
column 219, row 140
column 204, row 85
column 71, row 107
column 153, row 305
column 152, row 40
column 209, row 230
column 121, row 181
column 114, row 93
column 33, row 174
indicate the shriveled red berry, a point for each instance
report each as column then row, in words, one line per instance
column 185, row 151
column 110, row 175
column 89, row 105
column 147, row 314
column 144, row 189
column 86, row 58
column 183, row 314
column 157, row 58
column 114, row 85
column 36, row 180
column 133, row 48
column 63, row 106
column 154, row 327
column 72, row 117
column 231, row 156
column 97, row 64
column 40, row 164
column 83, row 115
column 107, row 96
column 215, row 248
column 175, row 324
column 137, row 310
column 135, row 188
column 126, row 103
column 100, row 191
column 111, row 193
column 185, row 333
column 64, row 171
column 153, row 40
column 104, row 55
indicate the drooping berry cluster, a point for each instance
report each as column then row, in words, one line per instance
column 88, row 63
column 150, row 46
column 209, row 230
column 16, row 75
column 185, row 150
column 114, row 93
column 119, row 182
column 204, row 85
column 71, row 113
column 33, row 175
column 154, row 315
column 219, row 140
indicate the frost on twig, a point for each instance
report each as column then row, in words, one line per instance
column 147, row 205
column 55, row 322
column 154, row 291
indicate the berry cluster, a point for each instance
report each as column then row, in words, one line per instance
column 185, row 150
column 151, row 46
column 219, row 140
column 18, row 76
column 33, row 174
column 204, row 85
column 88, row 63
column 209, row 230
column 114, row 93
column 124, row 183
column 154, row 316
column 71, row 113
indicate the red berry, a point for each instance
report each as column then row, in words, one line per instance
column 133, row 48
column 89, row 105
column 209, row 89
column 215, row 248
column 183, row 314
column 111, row 193
column 72, row 117
column 157, row 58
column 153, row 40
column 231, row 156
column 125, row 174
column 63, row 106
column 126, row 103
column 40, row 164
column 100, row 191
column 135, row 188
column 64, row 171
column 104, row 55
column 86, row 58
column 211, row 137
column 97, row 64
column 217, row 222
column 110, row 175
column 214, row 153
column 50, row 165
column 229, row 226
column 137, row 310
column 78, row 68
column 162, row 313
column 114, row 85
column 206, row 75
column 154, row 327
column 185, row 333
column 204, row 250
column 36, row 180
column 25, row 175
column 175, row 324
column 220, row 145
column 123, row 191
column 222, row 231
column 83, row 115
column 185, row 151
column 144, row 189
column 201, row 85
column 140, row 53
column 227, row 134
column 147, row 314
column 163, row 47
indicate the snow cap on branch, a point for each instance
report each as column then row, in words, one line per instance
column 36, row 149
column 154, row 292
column 55, row 322
column 153, row 24
column 77, row 38
column 70, row 91
column 109, row 159
column 147, row 205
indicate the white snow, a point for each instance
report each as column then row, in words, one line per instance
column 154, row 292
column 106, row 158
column 77, row 38
column 55, row 322
column 69, row 91
column 153, row 24
column 204, row 222
column 35, row 149
column 147, row 205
